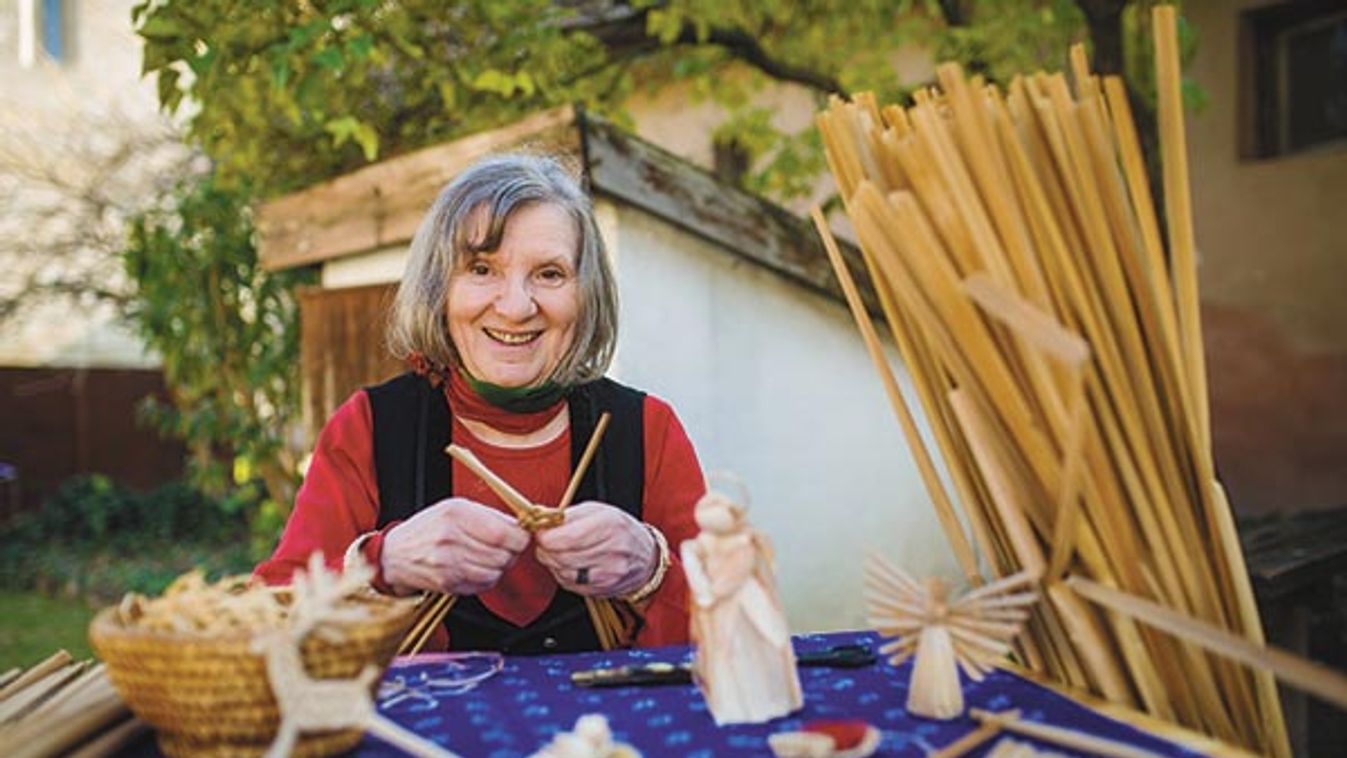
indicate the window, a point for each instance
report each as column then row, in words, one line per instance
column 1295, row 77
column 53, row 29
column 42, row 31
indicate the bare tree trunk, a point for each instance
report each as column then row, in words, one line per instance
column 1105, row 23
column 1104, row 18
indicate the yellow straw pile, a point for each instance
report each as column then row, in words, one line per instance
column 1055, row 346
column 63, row 707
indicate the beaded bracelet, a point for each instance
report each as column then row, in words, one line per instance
column 656, row 579
column 355, row 551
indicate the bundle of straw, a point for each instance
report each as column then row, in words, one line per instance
column 63, row 707
column 1055, row 346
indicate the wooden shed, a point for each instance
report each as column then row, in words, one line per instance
column 729, row 310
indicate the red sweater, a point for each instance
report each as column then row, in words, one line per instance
column 339, row 501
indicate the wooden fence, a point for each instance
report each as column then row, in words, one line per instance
column 59, row 422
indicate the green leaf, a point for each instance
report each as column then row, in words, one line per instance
column 160, row 27
column 280, row 72
column 329, row 58
column 1195, row 97
column 368, row 139
column 494, row 80
column 663, row 25
column 448, row 95
column 525, row 83
column 341, row 129
column 201, row 62
column 170, row 96
column 243, row 469
column 360, row 47
column 157, row 57
column 350, row 127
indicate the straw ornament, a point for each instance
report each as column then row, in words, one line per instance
column 307, row 704
column 944, row 632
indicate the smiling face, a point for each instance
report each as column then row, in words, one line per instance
column 512, row 311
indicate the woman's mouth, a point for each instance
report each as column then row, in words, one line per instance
column 512, row 338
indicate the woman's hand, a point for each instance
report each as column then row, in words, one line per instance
column 611, row 551
column 455, row 546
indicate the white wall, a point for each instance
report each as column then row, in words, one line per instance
column 773, row 384
column 376, row 267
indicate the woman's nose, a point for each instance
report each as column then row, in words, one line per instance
column 515, row 300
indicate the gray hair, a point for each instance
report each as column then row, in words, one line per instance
column 497, row 187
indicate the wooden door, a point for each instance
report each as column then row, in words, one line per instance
column 343, row 346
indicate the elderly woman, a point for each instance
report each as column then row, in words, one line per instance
column 507, row 314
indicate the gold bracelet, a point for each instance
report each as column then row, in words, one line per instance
column 656, row 579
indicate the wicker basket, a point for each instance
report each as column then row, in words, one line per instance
column 209, row 695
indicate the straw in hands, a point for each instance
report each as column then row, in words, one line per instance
column 608, row 624
column 971, row 631
column 530, row 516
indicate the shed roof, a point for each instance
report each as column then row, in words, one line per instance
column 381, row 205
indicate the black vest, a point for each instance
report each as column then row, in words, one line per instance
column 411, row 431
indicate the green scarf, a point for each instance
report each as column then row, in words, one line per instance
column 518, row 399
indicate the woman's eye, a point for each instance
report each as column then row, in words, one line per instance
column 478, row 268
column 552, row 275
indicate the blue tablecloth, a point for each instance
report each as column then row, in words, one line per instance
column 516, row 711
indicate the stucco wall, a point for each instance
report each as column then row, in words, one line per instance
column 101, row 68
column 1273, row 240
column 87, row 99
column 774, row 385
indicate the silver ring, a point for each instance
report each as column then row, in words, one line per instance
column 582, row 575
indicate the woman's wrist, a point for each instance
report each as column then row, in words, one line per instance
column 661, row 567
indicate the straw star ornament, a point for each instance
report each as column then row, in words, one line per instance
column 971, row 631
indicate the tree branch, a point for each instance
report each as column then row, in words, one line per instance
column 621, row 29
column 953, row 12
column 744, row 47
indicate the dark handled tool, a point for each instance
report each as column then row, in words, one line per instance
column 624, row 676
column 651, row 674
column 852, row 656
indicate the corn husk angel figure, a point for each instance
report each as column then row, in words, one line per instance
column 945, row 633
column 744, row 662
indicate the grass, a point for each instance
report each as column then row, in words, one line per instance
column 33, row 626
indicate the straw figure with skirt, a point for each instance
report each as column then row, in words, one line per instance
column 745, row 665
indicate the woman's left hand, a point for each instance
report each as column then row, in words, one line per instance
column 601, row 544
